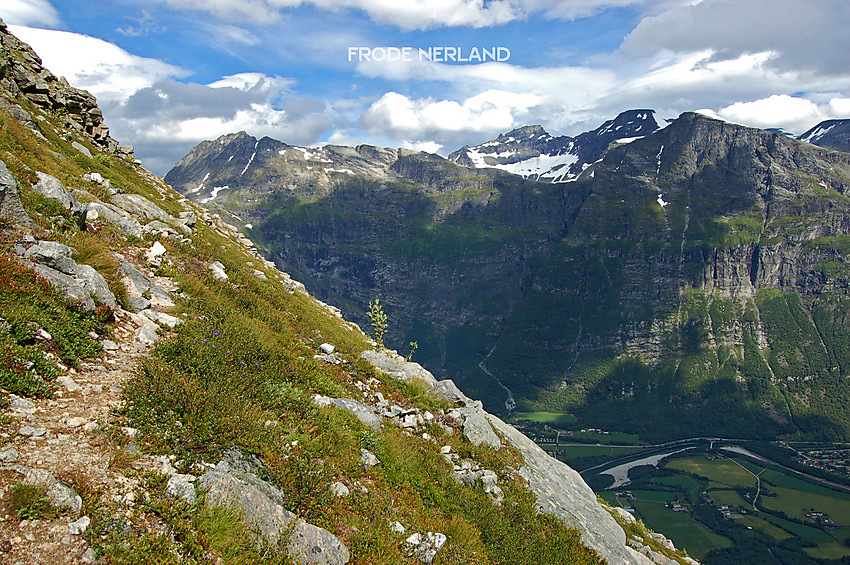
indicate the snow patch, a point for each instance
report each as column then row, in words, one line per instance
column 661, row 201
column 249, row 226
column 200, row 186
column 818, row 133
column 249, row 163
column 214, row 193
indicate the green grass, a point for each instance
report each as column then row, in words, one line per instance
column 722, row 473
column 680, row 528
column 764, row 526
column 546, row 417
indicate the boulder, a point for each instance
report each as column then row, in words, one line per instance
column 218, row 272
column 125, row 223
column 69, row 286
column 137, row 284
column 60, row 495
column 96, row 285
column 363, row 412
column 54, row 255
column 398, row 367
column 235, row 483
column 52, row 188
column 10, row 200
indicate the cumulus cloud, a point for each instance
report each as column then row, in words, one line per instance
column 791, row 113
column 803, row 36
column 426, row 122
column 103, row 68
column 166, row 119
column 29, row 13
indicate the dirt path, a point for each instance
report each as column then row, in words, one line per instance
column 65, row 438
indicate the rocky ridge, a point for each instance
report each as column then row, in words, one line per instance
column 532, row 153
column 22, row 75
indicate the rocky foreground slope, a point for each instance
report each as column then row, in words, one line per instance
column 174, row 398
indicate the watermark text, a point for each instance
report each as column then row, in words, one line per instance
column 444, row 54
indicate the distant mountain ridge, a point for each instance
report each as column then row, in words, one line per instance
column 831, row 134
column 532, row 153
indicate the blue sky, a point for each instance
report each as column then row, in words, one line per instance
column 171, row 73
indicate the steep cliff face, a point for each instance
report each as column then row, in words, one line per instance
column 656, row 292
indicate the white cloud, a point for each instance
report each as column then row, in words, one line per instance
column 788, row 112
column 808, row 36
column 421, row 120
column 29, row 13
column 104, row 69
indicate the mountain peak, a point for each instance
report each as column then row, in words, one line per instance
column 531, row 152
column 831, row 134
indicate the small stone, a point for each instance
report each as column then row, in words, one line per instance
column 8, row 455
column 156, row 251
column 20, row 404
column 147, row 335
column 91, row 427
column 89, row 556
column 397, row 528
column 270, row 424
column 180, row 486
column 31, row 431
column 69, row 383
column 130, row 432
column 79, row 527
column 327, row 348
column 340, row 489
column 414, row 539
column 446, row 449
column 76, row 421
column 109, row 345
column 368, row 458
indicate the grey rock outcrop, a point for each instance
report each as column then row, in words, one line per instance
column 10, row 200
column 561, row 491
column 235, row 483
column 143, row 293
column 52, row 188
column 80, row 283
column 23, row 75
column 125, row 223
column 363, row 412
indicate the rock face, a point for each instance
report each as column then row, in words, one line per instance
column 235, row 483
column 10, row 200
column 618, row 297
column 23, row 76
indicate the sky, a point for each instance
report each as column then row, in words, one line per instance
column 169, row 74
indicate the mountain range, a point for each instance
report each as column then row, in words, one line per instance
column 675, row 281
